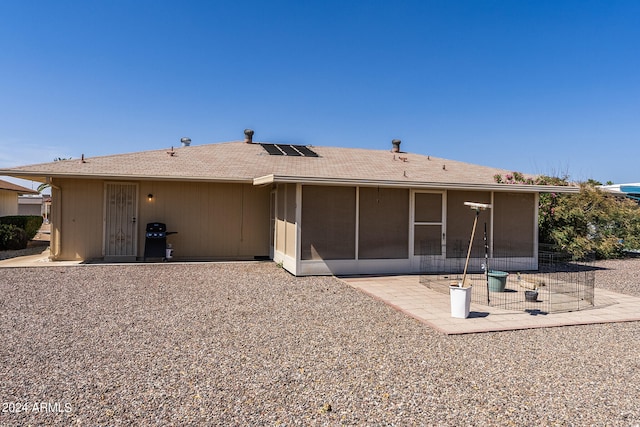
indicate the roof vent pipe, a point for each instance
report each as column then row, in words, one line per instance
column 185, row 141
column 248, row 136
column 396, row 146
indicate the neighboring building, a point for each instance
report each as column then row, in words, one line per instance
column 316, row 210
column 630, row 190
column 31, row 205
column 9, row 194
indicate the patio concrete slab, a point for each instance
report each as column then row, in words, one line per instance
column 36, row 260
column 408, row 295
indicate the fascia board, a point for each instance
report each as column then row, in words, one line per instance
column 42, row 176
column 271, row 179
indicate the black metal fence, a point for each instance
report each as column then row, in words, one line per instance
column 558, row 284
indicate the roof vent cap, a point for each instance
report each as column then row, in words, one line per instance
column 395, row 146
column 185, row 141
column 248, row 136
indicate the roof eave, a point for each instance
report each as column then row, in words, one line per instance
column 518, row 188
column 20, row 192
column 272, row 178
column 44, row 176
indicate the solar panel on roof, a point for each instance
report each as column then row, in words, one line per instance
column 306, row 151
column 289, row 150
column 272, row 149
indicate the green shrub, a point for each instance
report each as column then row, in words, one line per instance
column 12, row 237
column 29, row 223
column 591, row 221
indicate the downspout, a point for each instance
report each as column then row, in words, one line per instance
column 55, row 220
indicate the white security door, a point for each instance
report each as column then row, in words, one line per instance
column 120, row 213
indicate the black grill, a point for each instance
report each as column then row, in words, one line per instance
column 156, row 234
column 155, row 244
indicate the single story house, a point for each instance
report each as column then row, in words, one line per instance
column 316, row 210
column 9, row 194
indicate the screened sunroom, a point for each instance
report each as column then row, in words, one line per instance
column 358, row 229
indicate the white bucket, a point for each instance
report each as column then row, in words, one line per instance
column 460, row 301
column 168, row 252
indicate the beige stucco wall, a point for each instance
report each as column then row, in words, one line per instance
column 213, row 220
column 76, row 221
column 281, row 222
column 8, row 203
column 286, row 229
column 232, row 221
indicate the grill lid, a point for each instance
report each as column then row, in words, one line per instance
column 156, row 227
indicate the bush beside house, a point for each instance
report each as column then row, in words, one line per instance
column 17, row 230
column 594, row 221
column 590, row 222
column 12, row 237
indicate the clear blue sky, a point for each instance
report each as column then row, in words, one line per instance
column 537, row 86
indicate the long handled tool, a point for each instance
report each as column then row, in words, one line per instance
column 476, row 207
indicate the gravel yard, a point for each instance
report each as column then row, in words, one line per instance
column 248, row 344
column 34, row 248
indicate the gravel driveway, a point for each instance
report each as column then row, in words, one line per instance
column 248, row 344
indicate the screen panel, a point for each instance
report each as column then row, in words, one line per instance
column 328, row 222
column 384, row 223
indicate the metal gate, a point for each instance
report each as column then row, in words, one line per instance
column 120, row 213
column 560, row 283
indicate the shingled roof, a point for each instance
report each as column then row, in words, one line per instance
column 9, row 186
column 251, row 163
